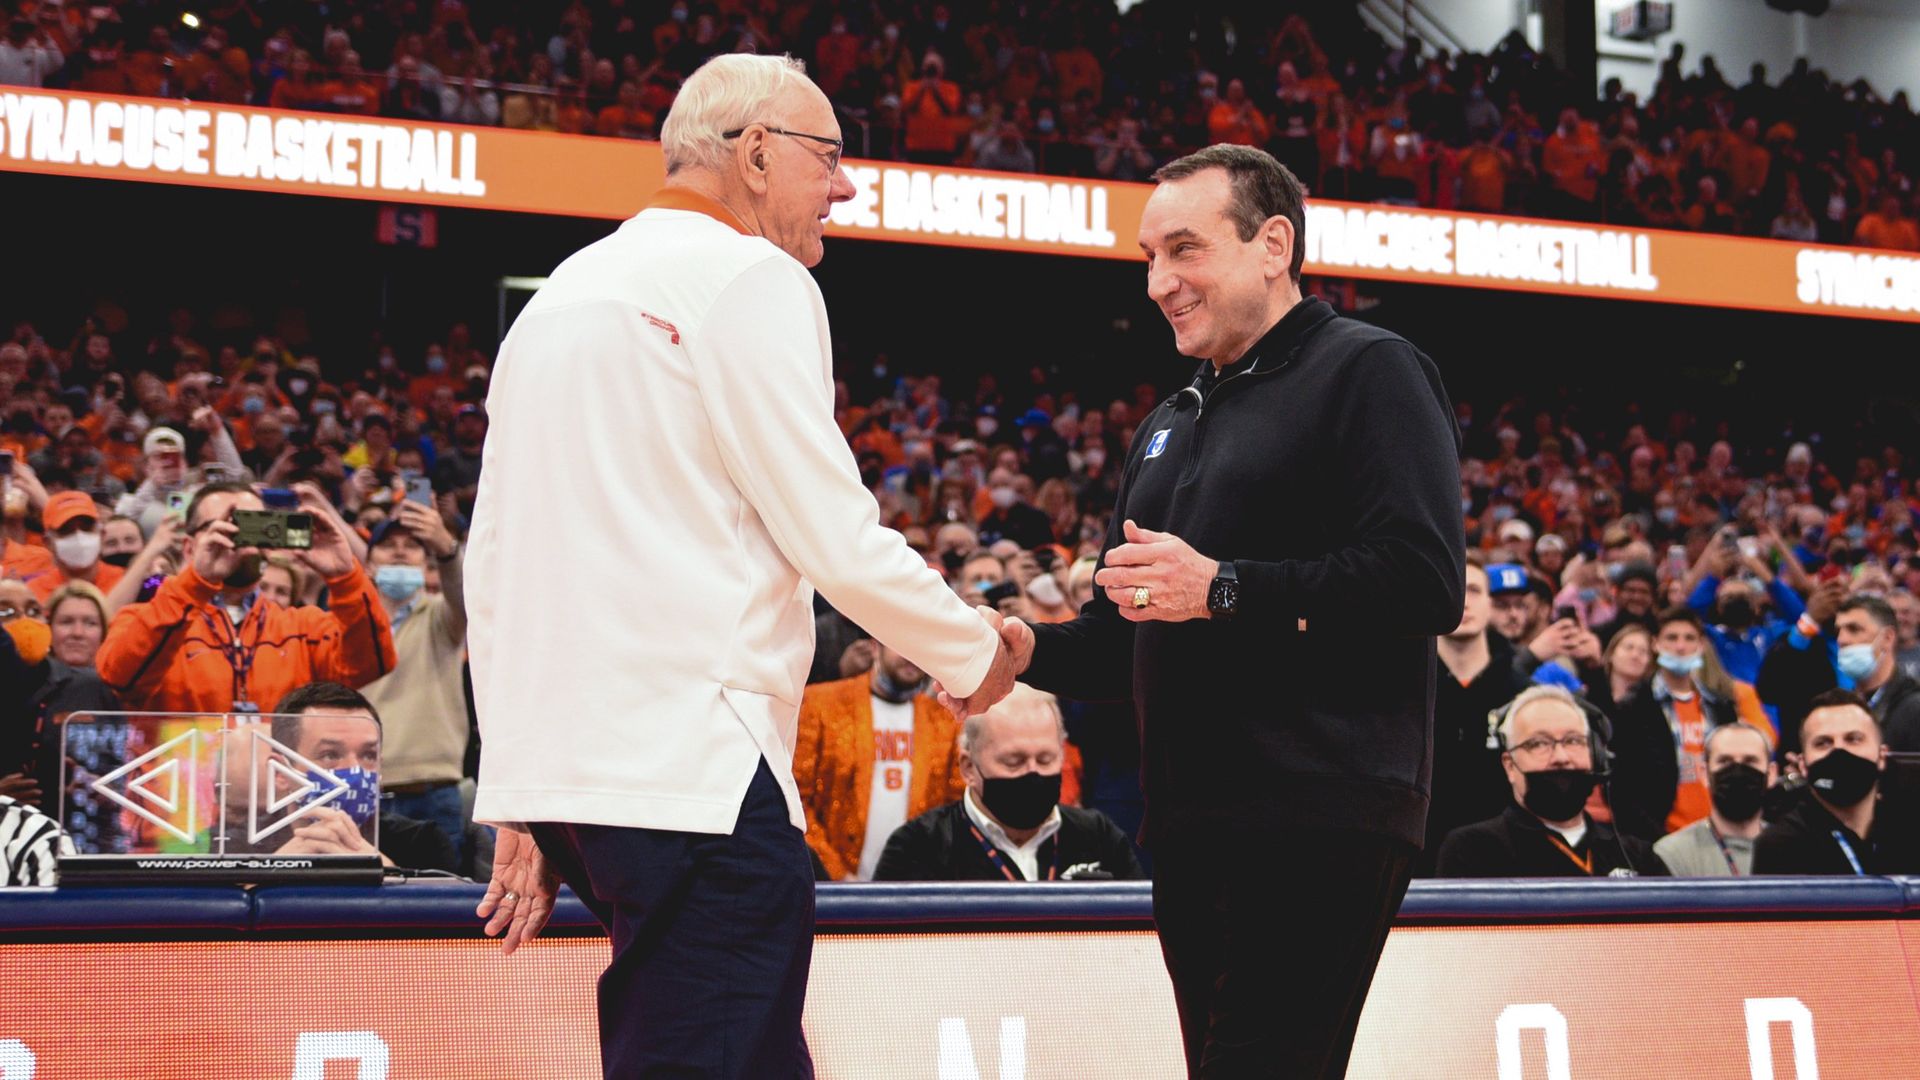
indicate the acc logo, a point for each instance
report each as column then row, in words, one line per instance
column 1158, row 444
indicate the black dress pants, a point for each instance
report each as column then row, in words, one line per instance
column 1271, row 942
column 712, row 939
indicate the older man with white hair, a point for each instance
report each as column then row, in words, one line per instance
column 1009, row 825
column 1553, row 762
column 663, row 409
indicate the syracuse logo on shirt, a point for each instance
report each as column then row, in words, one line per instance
column 1158, row 445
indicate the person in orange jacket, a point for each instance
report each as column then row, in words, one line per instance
column 882, row 726
column 207, row 642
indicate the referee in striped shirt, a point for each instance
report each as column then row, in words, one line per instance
column 30, row 841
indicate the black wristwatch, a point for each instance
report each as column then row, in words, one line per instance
column 1223, row 596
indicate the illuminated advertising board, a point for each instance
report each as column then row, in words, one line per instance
column 1747, row 1000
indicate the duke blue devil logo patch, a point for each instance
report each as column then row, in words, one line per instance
column 1158, row 445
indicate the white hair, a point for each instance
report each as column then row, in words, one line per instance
column 1531, row 696
column 1023, row 700
column 727, row 92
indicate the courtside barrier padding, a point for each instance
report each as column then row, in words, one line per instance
column 445, row 909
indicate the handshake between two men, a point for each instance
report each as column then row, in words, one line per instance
column 1152, row 577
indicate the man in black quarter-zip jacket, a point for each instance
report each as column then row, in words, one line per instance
column 1286, row 544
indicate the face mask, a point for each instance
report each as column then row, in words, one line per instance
column 1738, row 791
column 679, row 14
column 386, row 362
column 1558, row 794
column 1002, row 497
column 1843, row 778
column 1680, row 665
column 1502, row 513
column 399, row 583
column 953, row 561
column 1667, row 515
column 436, row 364
column 361, row 800
column 246, row 574
column 77, row 551
column 1021, row 802
column 975, row 109
column 1737, row 612
column 1857, row 661
column 323, row 408
column 254, row 406
column 1588, row 596
column 298, row 387
column 121, row 559
column 1045, row 590
column 1095, row 458
column 986, row 426
column 1044, row 125
column 887, row 690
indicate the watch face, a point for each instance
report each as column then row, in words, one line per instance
column 1222, row 597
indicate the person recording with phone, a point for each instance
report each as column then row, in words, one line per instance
column 207, row 643
column 1747, row 605
column 424, row 698
column 169, row 467
column 1553, row 763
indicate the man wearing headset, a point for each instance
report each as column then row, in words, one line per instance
column 1549, row 751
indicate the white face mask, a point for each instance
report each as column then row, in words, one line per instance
column 78, row 551
column 1045, row 589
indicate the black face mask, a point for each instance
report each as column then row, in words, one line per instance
column 1738, row 791
column 1737, row 612
column 953, row 561
column 121, row 559
column 1843, row 778
column 1558, row 794
column 1021, row 802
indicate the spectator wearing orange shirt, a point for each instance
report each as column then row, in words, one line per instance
column 1709, row 212
column 303, row 88
column 572, row 116
column 1887, row 228
column 836, row 57
column 1076, row 71
column 1573, row 160
column 1748, row 162
column 872, row 753
column 931, row 105
column 1484, row 169
column 627, row 119
column 1236, row 119
column 352, row 90
column 1697, row 696
column 72, row 522
column 24, row 562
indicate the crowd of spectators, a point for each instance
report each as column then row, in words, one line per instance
column 1679, row 581
column 1068, row 87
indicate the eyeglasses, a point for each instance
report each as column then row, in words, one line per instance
column 833, row 158
column 1541, row 745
